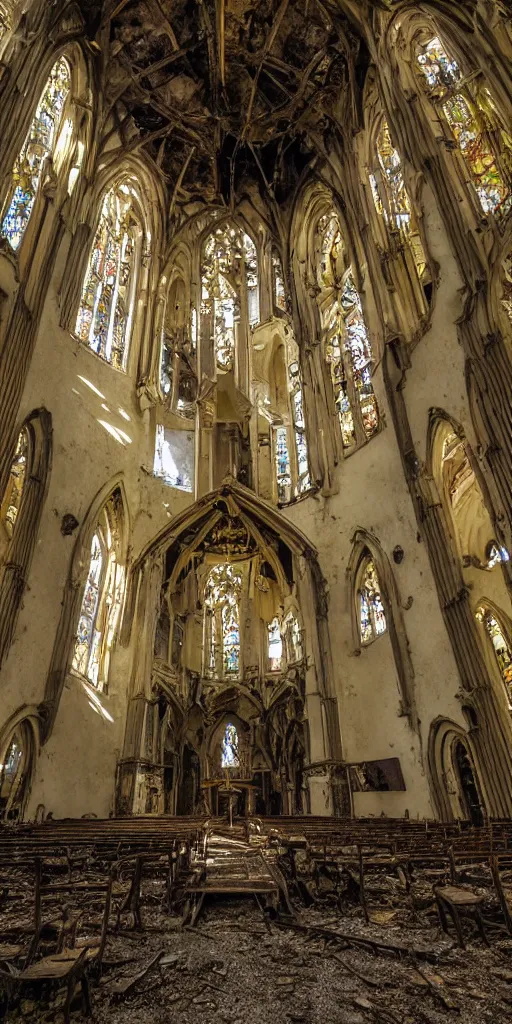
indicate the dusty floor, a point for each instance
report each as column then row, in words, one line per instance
column 230, row 969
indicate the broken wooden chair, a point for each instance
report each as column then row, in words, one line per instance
column 67, row 967
column 454, row 901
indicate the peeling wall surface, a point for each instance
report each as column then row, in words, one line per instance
column 269, row 268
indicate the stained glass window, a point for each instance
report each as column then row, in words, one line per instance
column 38, row 146
column 222, row 620
column 102, row 600
column 283, row 466
column 496, row 555
column 501, row 648
column 391, row 197
column 105, row 313
column 346, row 342
column 372, row 618
column 230, row 750
column 471, row 121
column 278, row 282
column 229, row 273
column 294, row 639
column 303, row 481
column 11, row 504
column 275, row 646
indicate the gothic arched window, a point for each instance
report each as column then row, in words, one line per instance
column 372, row 618
column 290, row 453
column 278, row 286
column 230, row 757
column 37, row 148
column 347, row 345
column 391, row 198
column 12, row 499
column 103, row 596
column 293, row 638
column 104, row 318
column 230, row 294
column 222, row 621
column 500, row 646
column 466, row 106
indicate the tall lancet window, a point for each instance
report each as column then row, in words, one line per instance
column 103, row 597
column 37, row 149
column 105, row 315
column 222, row 621
column 290, row 449
column 391, row 197
column 230, row 292
column 501, row 648
column 372, row 617
column 230, row 757
column 303, row 481
column 466, row 105
column 346, row 342
column 10, row 505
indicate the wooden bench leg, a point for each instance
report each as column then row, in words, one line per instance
column 481, row 927
column 458, row 926
column 442, row 915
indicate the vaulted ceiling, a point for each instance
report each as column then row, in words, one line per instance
column 225, row 92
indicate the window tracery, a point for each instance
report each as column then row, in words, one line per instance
column 12, row 499
column 36, row 150
column 105, row 315
column 230, row 292
column 102, row 599
column 501, row 648
column 392, row 200
column 222, row 621
column 347, row 345
column 372, row 618
column 467, row 107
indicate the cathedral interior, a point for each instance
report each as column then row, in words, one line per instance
column 255, row 452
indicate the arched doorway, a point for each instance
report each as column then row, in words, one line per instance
column 454, row 777
column 16, row 767
column 470, row 796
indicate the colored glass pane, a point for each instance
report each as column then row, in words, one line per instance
column 283, row 466
column 392, row 200
column 372, row 619
column 471, row 124
column 278, row 279
column 301, row 447
column 230, row 750
column 346, row 342
column 275, row 646
column 222, row 597
column 502, row 652
column 104, row 315
column 86, row 641
column 15, row 485
column 229, row 256
column 38, row 146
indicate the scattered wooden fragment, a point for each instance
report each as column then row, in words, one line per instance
column 437, row 986
column 122, row 988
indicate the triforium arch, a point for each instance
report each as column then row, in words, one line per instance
column 454, row 775
column 21, row 508
column 93, row 601
column 229, row 602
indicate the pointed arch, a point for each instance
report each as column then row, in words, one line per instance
column 21, row 512
column 366, row 550
column 19, row 748
column 74, row 635
column 445, row 782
